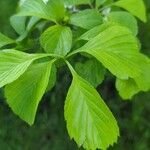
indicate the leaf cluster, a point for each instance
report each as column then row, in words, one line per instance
column 102, row 34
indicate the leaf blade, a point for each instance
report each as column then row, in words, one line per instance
column 123, row 18
column 19, row 24
column 86, row 19
column 88, row 118
column 127, row 88
column 135, row 7
column 77, row 2
column 92, row 71
column 13, row 64
column 24, row 94
column 53, row 10
column 113, row 47
column 4, row 40
column 57, row 40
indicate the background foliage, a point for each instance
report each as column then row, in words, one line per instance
column 49, row 131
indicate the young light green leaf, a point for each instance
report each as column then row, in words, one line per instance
column 24, row 94
column 116, row 49
column 92, row 71
column 135, row 7
column 124, row 19
column 57, row 40
column 4, row 40
column 86, row 19
column 127, row 88
column 77, row 2
column 89, row 121
column 53, row 10
column 13, row 64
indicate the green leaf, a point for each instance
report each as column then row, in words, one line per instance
column 52, row 78
column 24, row 94
column 92, row 71
column 90, row 34
column 54, row 10
column 34, row 8
column 124, row 19
column 57, row 39
column 86, row 19
column 127, row 88
column 116, row 49
column 4, row 40
column 135, row 7
column 13, row 64
column 89, row 121
column 100, row 2
column 57, row 9
column 77, row 2
column 19, row 24
column 31, row 23
column 143, row 80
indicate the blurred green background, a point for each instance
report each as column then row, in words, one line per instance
column 49, row 131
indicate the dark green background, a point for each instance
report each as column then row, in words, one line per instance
column 49, row 131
